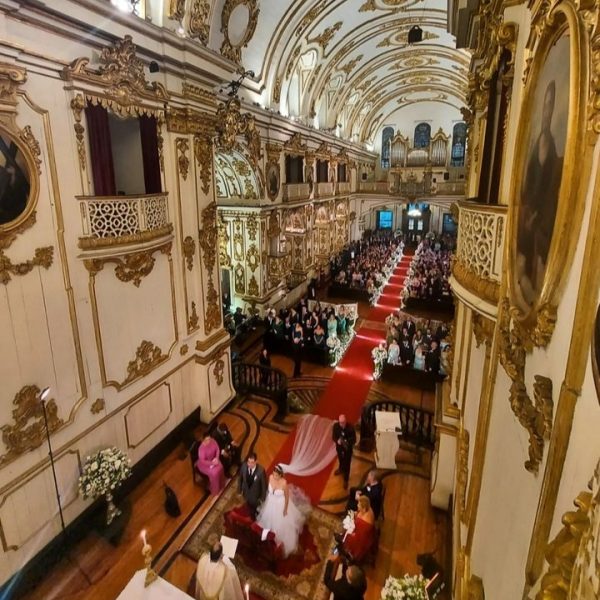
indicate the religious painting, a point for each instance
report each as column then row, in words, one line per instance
column 542, row 171
column 273, row 180
column 15, row 180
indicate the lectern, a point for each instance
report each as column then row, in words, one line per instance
column 386, row 437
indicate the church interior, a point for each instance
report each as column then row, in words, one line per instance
column 323, row 246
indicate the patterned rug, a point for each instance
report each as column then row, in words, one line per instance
column 305, row 585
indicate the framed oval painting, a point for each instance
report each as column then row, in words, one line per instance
column 544, row 190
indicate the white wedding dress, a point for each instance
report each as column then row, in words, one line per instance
column 287, row 528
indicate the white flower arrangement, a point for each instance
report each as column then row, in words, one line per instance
column 379, row 354
column 103, row 473
column 338, row 347
column 348, row 522
column 409, row 587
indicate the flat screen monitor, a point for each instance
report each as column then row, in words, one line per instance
column 385, row 219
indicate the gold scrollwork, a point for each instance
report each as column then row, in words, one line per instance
column 209, row 244
column 324, row 38
column 218, row 370
column 177, row 10
column 535, row 417
column 184, row 349
column 462, row 473
column 97, row 406
column 134, row 267
column 253, row 289
column 228, row 48
column 486, row 289
column 77, row 106
column 203, row 152
column 183, row 162
column 189, row 249
column 239, row 279
column 147, row 357
column 194, row 319
column 224, row 258
column 252, row 227
column 43, row 257
column 253, row 258
column 295, row 145
column 483, row 329
column 28, row 431
column 199, row 26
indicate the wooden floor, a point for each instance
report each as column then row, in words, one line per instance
column 95, row 570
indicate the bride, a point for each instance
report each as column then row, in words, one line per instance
column 284, row 511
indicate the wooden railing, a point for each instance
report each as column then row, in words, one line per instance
column 343, row 187
column 418, row 424
column 374, row 187
column 296, row 191
column 324, row 188
column 262, row 381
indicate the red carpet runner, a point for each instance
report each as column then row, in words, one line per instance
column 347, row 391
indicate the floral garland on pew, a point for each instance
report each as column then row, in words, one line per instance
column 338, row 346
column 379, row 354
column 409, row 587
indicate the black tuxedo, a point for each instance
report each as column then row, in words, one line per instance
column 373, row 492
column 230, row 453
column 253, row 487
column 344, row 438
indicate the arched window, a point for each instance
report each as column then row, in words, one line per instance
column 386, row 138
column 459, row 139
column 422, row 135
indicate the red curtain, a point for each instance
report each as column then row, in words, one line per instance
column 103, row 171
column 149, row 139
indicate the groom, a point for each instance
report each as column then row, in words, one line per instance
column 252, row 484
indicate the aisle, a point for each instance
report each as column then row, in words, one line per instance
column 348, row 389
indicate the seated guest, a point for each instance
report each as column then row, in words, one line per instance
column 230, row 451
column 406, row 353
column 358, row 544
column 432, row 359
column 419, row 361
column 209, row 463
column 393, row 352
column 216, row 577
column 319, row 336
column 373, row 490
column 351, row 585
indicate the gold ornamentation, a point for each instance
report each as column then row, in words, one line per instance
column 147, row 356
column 310, row 16
column 189, row 249
column 177, row 10
column 252, row 227
column 121, row 74
column 190, row 90
column 462, row 473
column 204, row 157
column 77, row 106
column 209, row 244
column 183, row 162
column 292, row 60
column 277, row 90
column 28, row 430
column 199, row 26
column 253, row 289
column 274, row 229
column 134, row 267
column 228, row 49
column 187, row 120
column 224, row 258
column 535, row 417
column 7, row 237
column 11, row 77
column 239, row 279
column 483, row 329
column 218, row 370
column 295, row 145
column 323, row 39
column 98, row 406
column 484, row 288
column 253, row 258
column 368, row 6
column 160, row 142
column 349, row 66
column 90, row 243
column 43, row 257
column 183, row 350
column 194, row 319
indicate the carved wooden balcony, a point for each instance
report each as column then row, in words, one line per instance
column 324, row 189
column 343, row 187
column 117, row 220
column 296, row 191
column 477, row 268
column 449, row 188
column 374, row 187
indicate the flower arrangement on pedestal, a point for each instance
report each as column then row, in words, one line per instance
column 338, row 346
column 379, row 354
column 409, row 587
column 102, row 474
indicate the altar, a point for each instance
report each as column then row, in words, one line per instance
column 159, row 589
column 388, row 428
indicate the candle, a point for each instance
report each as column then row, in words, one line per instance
column 247, row 590
column 144, row 537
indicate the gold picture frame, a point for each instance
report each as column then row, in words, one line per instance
column 543, row 235
column 19, row 175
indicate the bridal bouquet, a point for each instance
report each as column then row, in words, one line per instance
column 103, row 472
column 348, row 522
column 409, row 587
column 379, row 354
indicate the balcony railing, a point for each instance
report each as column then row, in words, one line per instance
column 449, row 188
column 479, row 249
column 261, row 381
column 343, row 187
column 374, row 187
column 324, row 188
column 296, row 191
column 123, row 219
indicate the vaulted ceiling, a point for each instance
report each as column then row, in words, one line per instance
column 343, row 64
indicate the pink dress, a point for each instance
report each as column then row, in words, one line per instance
column 206, row 454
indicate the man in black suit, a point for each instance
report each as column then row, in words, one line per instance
column 432, row 359
column 252, row 484
column 351, row 586
column 373, row 489
column 230, row 451
column 344, row 437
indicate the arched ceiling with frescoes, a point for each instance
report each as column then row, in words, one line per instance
column 343, row 65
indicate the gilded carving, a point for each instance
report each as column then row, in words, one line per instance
column 228, row 49
column 462, row 472
column 177, row 10
column 239, row 279
column 310, row 16
column 274, row 229
column 277, row 89
column 98, row 406
column 194, row 320
column 224, row 258
column 199, row 25
column 11, row 77
column 43, row 257
column 573, row 569
column 134, row 267
column 160, row 142
column 252, row 227
column 484, row 288
column 253, row 289
column 253, row 258
column 28, row 431
column 184, row 350
column 209, row 245
column 218, row 370
column 324, row 38
column 77, row 106
column 204, row 157
column 295, row 145
column 483, row 329
column 183, row 162
column 189, row 249
column 349, row 66
column 147, row 357
column 535, row 417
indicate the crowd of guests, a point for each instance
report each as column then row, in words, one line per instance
column 362, row 264
column 430, row 269
column 418, row 343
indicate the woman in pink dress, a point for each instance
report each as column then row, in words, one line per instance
column 209, row 463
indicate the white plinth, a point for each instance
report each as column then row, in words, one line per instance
column 386, row 438
column 157, row 590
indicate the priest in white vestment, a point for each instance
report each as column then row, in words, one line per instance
column 216, row 577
